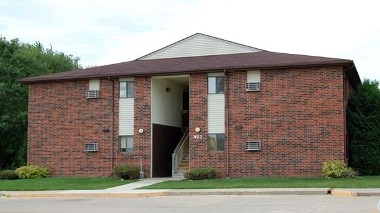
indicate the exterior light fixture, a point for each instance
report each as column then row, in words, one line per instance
column 141, row 131
column 197, row 129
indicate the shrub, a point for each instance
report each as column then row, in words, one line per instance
column 202, row 173
column 8, row 175
column 337, row 169
column 127, row 172
column 32, row 171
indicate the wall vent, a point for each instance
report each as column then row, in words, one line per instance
column 253, row 145
column 92, row 94
column 91, row 147
column 252, row 86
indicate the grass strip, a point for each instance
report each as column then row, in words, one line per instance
column 61, row 183
column 271, row 182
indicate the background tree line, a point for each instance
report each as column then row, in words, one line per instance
column 363, row 122
column 19, row 60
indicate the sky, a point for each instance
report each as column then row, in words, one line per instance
column 102, row 32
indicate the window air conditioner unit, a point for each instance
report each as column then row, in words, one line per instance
column 252, row 86
column 91, row 147
column 92, row 94
column 253, row 145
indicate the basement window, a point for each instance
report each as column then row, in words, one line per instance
column 126, row 144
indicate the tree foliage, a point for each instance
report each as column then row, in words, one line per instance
column 19, row 60
column 363, row 121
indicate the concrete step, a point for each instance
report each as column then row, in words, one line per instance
column 179, row 175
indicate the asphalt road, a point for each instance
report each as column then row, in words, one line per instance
column 194, row 204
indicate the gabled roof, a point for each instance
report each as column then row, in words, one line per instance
column 182, row 65
column 200, row 53
column 199, row 45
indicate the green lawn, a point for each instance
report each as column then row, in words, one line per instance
column 266, row 182
column 60, row 183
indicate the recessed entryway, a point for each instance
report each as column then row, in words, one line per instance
column 170, row 106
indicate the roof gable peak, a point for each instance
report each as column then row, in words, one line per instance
column 199, row 44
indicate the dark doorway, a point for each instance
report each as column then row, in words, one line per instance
column 185, row 109
column 165, row 140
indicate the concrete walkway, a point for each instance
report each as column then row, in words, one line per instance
column 132, row 190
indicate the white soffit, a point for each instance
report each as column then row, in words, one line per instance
column 199, row 45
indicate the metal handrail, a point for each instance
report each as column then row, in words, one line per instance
column 178, row 153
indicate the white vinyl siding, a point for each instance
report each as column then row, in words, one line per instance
column 216, row 113
column 253, row 76
column 126, row 116
column 94, row 84
column 199, row 45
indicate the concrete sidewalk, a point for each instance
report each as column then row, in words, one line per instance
column 132, row 190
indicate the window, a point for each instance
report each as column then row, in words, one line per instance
column 215, row 142
column 93, row 88
column 126, row 89
column 216, row 85
column 126, row 144
column 253, row 81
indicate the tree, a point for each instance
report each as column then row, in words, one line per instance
column 363, row 122
column 19, row 60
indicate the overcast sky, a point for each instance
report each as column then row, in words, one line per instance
column 112, row 31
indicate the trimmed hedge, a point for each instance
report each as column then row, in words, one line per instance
column 8, row 175
column 127, row 172
column 32, row 172
column 202, row 173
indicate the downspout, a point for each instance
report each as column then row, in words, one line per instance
column 345, row 104
column 227, row 123
column 113, row 125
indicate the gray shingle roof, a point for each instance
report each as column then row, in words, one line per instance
column 185, row 65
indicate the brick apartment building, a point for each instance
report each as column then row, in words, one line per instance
column 211, row 102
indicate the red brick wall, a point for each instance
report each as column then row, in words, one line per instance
column 199, row 155
column 297, row 115
column 61, row 121
column 142, row 120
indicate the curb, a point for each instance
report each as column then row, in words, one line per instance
column 246, row 192
column 139, row 194
column 353, row 193
column 81, row 195
column 155, row 194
